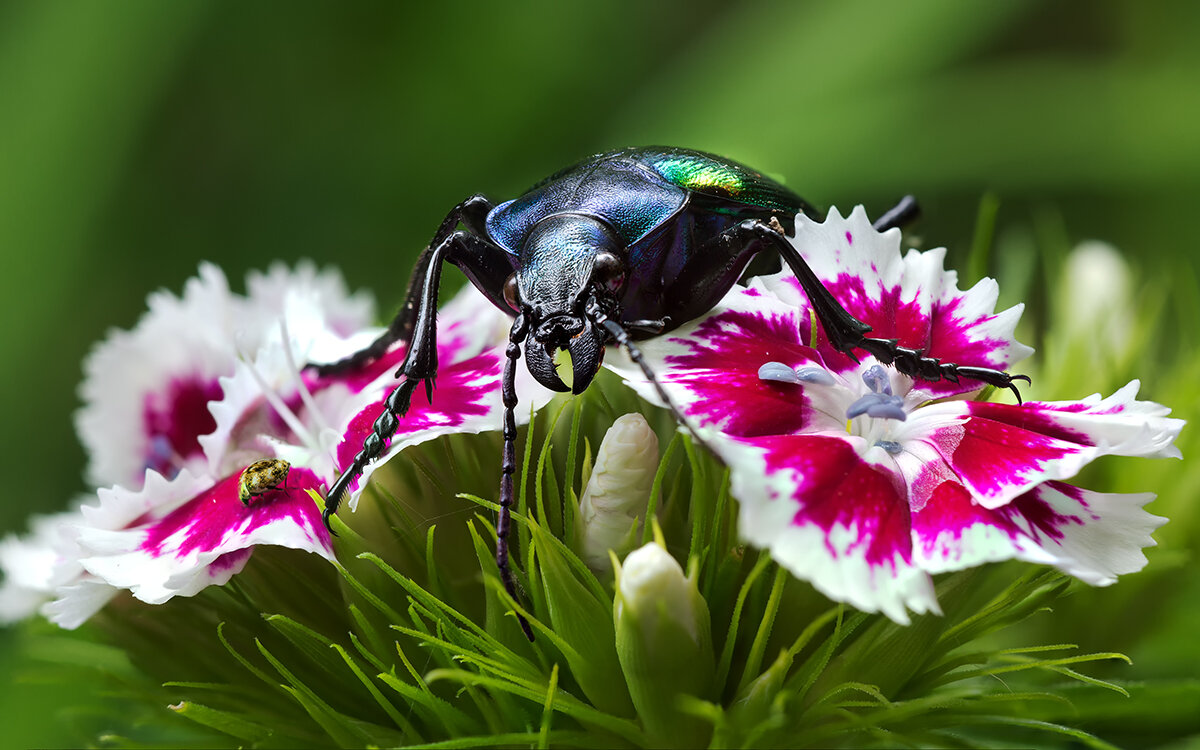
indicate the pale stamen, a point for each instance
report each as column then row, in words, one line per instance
column 879, row 403
column 286, row 414
column 305, row 395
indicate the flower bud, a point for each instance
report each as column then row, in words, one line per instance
column 610, row 512
column 1095, row 294
column 664, row 644
column 1096, row 332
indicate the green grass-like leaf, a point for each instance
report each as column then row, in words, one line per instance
column 414, row 641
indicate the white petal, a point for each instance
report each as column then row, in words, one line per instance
column 1103, row 534
column 282, row 290
column 78, row 601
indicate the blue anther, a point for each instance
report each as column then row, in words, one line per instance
column 815, row 375
column 877, row 380
column 878, row 405
column 891, row 446
column 778, row 372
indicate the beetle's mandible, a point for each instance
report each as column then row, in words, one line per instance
column 619, row 247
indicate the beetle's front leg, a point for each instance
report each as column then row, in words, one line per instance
column 486, row 265
column 848, row 333
column 471, row 213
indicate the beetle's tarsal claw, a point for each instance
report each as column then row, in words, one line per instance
column 325, row 516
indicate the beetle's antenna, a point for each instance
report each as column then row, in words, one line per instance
column 621, row 337
column 509, row 465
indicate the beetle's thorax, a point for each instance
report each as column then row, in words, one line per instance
column 555, row 281
column 556, row 262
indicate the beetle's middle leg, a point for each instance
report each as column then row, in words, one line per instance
column 848, row 333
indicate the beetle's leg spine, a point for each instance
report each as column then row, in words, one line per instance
column 420, row 363
column 509, row 465
column 474, row 256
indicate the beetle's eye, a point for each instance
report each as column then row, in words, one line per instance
column 608, row 271
column 512, row 295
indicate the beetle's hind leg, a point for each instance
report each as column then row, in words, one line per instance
column 905, row 212
column 471, row 213
column 848, row 333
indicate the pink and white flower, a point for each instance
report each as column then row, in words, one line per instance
column 36, row 565
column 174, row 524
column 147, row 392
column 865, row 482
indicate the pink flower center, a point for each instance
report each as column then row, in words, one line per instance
column 175, row 419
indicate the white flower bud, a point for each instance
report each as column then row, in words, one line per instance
column 654, row 590
column 610, row 512
column 664, row 644
column 1095, row 293
column 1096, row 332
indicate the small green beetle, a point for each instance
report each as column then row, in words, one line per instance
column 261, row 477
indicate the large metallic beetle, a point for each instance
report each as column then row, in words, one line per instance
column 621, row 246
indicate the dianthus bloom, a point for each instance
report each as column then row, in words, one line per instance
column 207, row 384
column 864, row 481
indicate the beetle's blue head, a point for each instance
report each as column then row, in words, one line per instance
column 566, row 259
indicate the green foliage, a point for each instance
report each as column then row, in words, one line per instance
column 412, row 643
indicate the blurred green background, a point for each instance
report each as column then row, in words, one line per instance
column 139, row 138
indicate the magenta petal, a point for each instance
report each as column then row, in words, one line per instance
column 952, row 532
column 831, row 518
column 1003, row 450
column 207, row 522
column 1092, row 536
column 179, row 547
column 712, row 368
column 998, row 460
column 174, row 419
column 466, row 399
column 837, row 488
